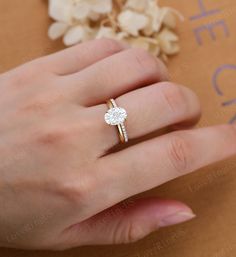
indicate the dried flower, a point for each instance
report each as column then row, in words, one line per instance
column 141, row 23
column 132, row 22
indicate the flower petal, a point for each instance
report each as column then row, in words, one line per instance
column 101, row 6
column 75, row 35
column 57, row 29
column 61, row 10
column 81, row 10
column 132, row 22
column 137, row 5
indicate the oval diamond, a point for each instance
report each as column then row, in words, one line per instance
column 115, row 116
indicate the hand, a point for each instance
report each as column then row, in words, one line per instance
column 59, row 186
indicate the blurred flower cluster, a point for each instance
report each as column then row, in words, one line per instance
column 141, row 23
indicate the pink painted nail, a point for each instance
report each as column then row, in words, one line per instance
column 176, row 218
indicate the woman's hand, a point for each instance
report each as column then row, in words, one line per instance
column 59, row 188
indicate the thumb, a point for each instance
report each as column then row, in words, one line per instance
column 128, row 221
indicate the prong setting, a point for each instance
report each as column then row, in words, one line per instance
column 115, row 116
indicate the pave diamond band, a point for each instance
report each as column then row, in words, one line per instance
column 116, row 116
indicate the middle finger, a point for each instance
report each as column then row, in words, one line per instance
column 113, row 76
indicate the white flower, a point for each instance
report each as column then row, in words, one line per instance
column 156, row 16
column 107, row 32
column 76, row 35
column 147, row 43
column 57, row 30
column 86, row 8
column 141, row 23
column 61, row 10
column 170, row 15
column 66, row 10
column 100, row 6
column 137, row 5
column 169, row 18
column 132, row 22
column 168, row 42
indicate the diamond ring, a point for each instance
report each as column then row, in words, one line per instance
column 116, row 116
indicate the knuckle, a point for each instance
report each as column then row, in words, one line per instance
column 134, row 233
column 111, row 46
column 43, row 101
column 148, row 64
column 75, row 189
column 35, row 105
column 179, row 154
column 85, row 127
column 53, row 135
column 71, row 191
column 144, row 62
column 58, row 133
column 175, row 99
column 127, row 233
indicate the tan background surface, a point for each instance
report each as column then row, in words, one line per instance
column 211, row 191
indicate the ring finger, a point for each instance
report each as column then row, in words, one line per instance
column 149, row 109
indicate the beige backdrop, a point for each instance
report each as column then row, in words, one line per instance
column 211, row 192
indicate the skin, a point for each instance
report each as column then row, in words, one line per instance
column 59, row 185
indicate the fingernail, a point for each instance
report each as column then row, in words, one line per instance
column 176, row 218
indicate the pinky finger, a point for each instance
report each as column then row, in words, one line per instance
column 154, row 162
column 127, row 222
